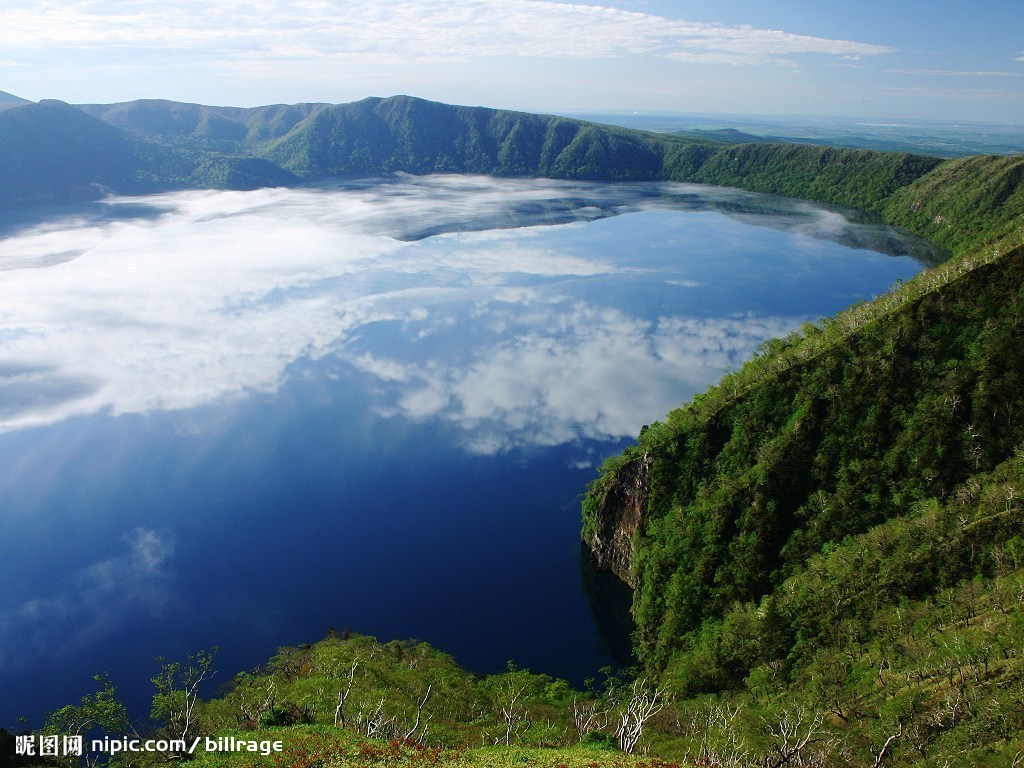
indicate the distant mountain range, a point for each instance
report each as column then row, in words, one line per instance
column 53, row 152
column 56, row 152
column 9, row 98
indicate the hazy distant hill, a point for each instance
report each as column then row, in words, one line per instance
column 930, row 137
column 10, row 98
column 53, row 152
column 222, row 128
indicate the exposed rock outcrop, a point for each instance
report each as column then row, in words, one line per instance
column 619, row 516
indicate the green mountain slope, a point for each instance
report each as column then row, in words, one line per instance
column 742, row 490
column 53, row 152
column 377, row 136
column 963, row 203
column 856, row 178
column 230, row 129
column 154, row 144
column 836, row 528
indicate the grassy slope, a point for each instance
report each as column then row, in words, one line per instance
column 319, row 746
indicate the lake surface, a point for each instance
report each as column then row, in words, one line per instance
column 241, row 418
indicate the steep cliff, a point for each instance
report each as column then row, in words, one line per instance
column 617, row 517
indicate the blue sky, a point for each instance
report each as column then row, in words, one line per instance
column 885, row 59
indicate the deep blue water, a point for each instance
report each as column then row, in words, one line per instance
column 239, row 419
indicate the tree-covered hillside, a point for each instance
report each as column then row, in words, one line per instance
column 963, row 203
column 745, row 487
column 151, row 144
column 53, row 152
column 856, row 178
column 377, row 136
column 838, row 524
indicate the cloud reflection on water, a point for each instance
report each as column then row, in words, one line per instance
column 205, row 296
column 569, row 372
column 92, row 602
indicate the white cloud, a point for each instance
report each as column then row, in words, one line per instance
column 405, row 30
column 953, row 73
column 168, row 314
column 222, row 292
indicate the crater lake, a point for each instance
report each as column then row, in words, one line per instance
column 241, row 418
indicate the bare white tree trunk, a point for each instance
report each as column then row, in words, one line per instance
column 793, row 734
column 587, row 717
column 644, row 705
column 339, row 711
column 419, row 716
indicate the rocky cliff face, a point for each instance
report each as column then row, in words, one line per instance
column 619, row 516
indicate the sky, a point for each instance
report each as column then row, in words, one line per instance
column 898, row 59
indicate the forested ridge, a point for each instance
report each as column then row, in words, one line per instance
column 828, row 555
column 837, row 524
column 52, row 152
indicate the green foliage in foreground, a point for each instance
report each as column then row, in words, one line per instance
column 321, row 747
column 349, row 698
column 830, row 671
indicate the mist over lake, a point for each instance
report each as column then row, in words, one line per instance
column 239, row 418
